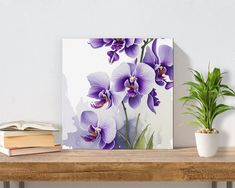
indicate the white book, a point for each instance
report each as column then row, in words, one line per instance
column 28, row 125
column 28, row 151
column 23, row 133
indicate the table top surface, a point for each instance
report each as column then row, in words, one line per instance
column 122, row 156
column 181, row 164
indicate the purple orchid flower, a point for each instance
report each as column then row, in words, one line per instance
column 135, row 80
column 129, row 45
column 100, row 42
column 161, row 62
column 152, row 100
column 102, row 131
column 100, row 90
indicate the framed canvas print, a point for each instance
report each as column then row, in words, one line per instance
column 117, row 93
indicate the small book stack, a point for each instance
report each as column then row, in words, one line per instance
column 23, row 138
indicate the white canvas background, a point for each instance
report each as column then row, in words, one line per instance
column 79, row 60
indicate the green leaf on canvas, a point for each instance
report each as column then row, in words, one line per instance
column 141, row 141
column 150, row 142
column 135, row 130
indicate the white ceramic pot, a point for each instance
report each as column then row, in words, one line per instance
column 207, row 144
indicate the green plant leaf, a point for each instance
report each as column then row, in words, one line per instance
column 227, row 91
column 150, row 142
column 220, row 109
column 203, row 95
column 141, row 141
column 135, row 130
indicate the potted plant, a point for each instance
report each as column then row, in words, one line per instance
column 202, row 103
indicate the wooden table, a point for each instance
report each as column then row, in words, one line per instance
column 119, row 165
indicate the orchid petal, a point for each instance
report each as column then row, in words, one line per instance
column 170, row 72
column 134, row 102
column 99, row 79
column 146, row 78
column 89, row 138
column 138, row 40
column 98, row 104
column 169, row 85
column 117, row 97
column 108, row 41
column 149, row 58
column 89, row 118
column 94, row 92
column 165, row 54
column 154, row 47
column 150, row 103
column 119, row 76
column 108, row 127
column 109, row 145
column 132, row 67
column 129, row 42
column 101, row 143
column 132, row 51
column 160, row 82
column 113, row 56
column 96, row 43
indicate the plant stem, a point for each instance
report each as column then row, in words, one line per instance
column 146, row 42
column 127, row 124
column 127, row 141
column 136, row 129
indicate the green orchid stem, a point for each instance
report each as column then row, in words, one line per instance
column 146, row 42
column 135, row 131
column 127, row 141
column 127, row 124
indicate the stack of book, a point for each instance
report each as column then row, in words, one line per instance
column 23, row 138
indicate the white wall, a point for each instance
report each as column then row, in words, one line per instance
column 30, row 53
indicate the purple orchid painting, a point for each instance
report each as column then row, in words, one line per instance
column 118, row 93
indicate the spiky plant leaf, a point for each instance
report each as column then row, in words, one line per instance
column 203, row 95
column 141, row 141
column 150, row 142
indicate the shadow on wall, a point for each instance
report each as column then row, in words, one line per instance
column 183, row 133
column 223, row 133
column 221, row 119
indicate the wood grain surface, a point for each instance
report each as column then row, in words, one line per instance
column 120, row 165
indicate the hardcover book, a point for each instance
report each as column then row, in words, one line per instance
column 29, row 151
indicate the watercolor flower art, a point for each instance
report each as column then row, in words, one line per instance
column 121, row 102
